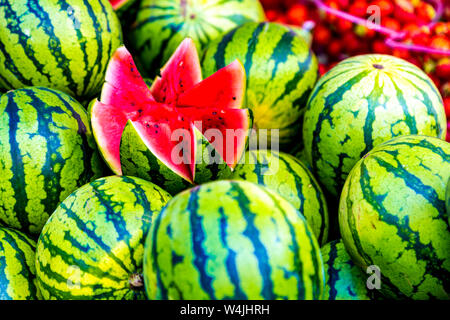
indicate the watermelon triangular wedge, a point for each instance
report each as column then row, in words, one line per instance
column 179, row 109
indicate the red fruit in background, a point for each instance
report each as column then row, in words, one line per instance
column 343, row 4
column 330, row 18
column 401, row 53
column 335, row 48
column 271, row 15
column 297, row 14
column 344, row 25
column 358, row 8
column 391, row 23
column 439, row 42
column 425, row 12
column 404, row 11
column 442, row 28
column 443, row 68
column 352, row 43
column 447, row 107
column 379, row 46
column 386, row 7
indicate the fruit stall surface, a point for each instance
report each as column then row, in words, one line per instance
column 224, row 150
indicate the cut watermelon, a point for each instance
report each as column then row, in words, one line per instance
column 170, row 126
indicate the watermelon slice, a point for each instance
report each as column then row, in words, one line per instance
column 172, row 124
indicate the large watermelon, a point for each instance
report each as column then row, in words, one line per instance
column 290, row 178
column 163, row 24
column 392, row 215
column 363, row 101
column 281, row 73
column 46, row 152
column 63, row 45
column 181, row 131
column 92, row 246
column 231, row 240
column 17, row 271
column 343, row 279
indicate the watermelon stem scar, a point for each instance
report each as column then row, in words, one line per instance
column 178, row 101
column 136, row 282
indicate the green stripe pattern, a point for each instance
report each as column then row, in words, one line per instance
column 392, row 215
column 163, row 24
column 231, row 240
column 290, row 178
column 93, row 244
column 362, row 102
column 344, row 280
column 46, row 151
column 281, row 73
column 447, row 201
column 17, row 271
column 64, row 45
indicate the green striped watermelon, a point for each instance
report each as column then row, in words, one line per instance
column 46, row 151
column 17, row 271
column 63, row 45
column 344, row 280
column 392, row 215
column 231, row 240
column 92, row 246
column 448, row 199
column 363, row 101
column 290, row 178
column 281, row 73
column 163, row 24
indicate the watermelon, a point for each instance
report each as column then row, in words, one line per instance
column 281, row 73
column 447, row 201
column 392, row 215
column 180, row 126
column 343, row 279
column 289, row 177
column 361, row 102
column 46, row 151
column 162, row 25
column 17, row 271
column 231, row 240
column 93, row 244
column 64, row 45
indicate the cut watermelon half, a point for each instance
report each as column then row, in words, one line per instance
column 178, row 106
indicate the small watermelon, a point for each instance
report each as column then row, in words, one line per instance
column 281, row 73
column 93, row 244
column 181, row 126
column 343, row 279
column 288, row 177
column 46, row 151
column 231, row 240
column 392, row 215
column 64, row 45
column 163, row 24
column 17, row 271
column 361, row 102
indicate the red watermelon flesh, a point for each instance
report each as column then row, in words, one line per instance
column 211, row 105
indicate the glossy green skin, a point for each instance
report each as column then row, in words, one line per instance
column 17, row 270
column 94, row 241
column 64, row 45
column 162, row 24
column 290, row 178
column 362, row 102
column 46, row 151
column 138, row 160
column 392, row 215
column 448, row 199
column 344, row 280
column 231, row 240
column 281, row 73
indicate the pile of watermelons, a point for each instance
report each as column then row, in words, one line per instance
column 189, row 150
